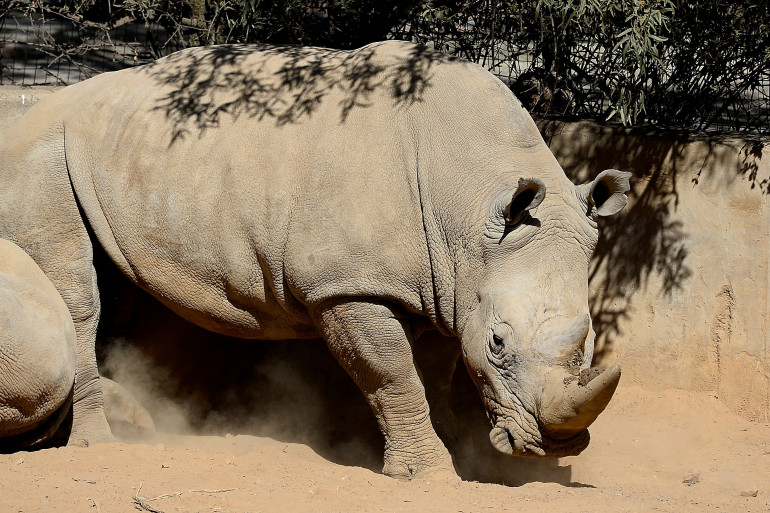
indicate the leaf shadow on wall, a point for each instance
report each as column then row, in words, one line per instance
column 645, row 239
column 645, row 249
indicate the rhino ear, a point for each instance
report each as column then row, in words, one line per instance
column 606, row 194
column 529, row 194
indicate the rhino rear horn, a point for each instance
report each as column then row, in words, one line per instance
column 607, row 192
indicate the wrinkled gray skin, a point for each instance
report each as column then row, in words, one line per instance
column 366, row 197
column 37, row 352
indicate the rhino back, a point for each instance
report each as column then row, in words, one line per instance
column 243, row 187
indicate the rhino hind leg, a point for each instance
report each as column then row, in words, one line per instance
column 374, row 347
column 89, row 423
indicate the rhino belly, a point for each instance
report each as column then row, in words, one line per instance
column 204, row 246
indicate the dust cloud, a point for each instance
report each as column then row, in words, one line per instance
column 192, row 381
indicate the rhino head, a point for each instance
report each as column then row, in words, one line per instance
column 524, row 322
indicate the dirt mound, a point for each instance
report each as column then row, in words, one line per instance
column 281, row 427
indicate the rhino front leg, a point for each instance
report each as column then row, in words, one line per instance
column 375, row 348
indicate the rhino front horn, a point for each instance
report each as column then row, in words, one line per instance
column 569, row 406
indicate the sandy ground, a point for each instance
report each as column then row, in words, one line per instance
column 670, row 451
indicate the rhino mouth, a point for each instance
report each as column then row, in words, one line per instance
column 511, row 441
column 566, row 408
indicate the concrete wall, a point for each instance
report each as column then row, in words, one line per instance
column 680, row 282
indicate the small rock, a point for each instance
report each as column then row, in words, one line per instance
column 20, row 461
column 749, row 493
column 691, row 479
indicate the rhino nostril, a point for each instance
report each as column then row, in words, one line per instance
column 511, row 440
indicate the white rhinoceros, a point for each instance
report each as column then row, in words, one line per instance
column 361, row 196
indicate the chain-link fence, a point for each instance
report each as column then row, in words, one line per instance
column 54, row 47
column 41, row 50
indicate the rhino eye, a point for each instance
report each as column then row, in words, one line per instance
column 496, row 344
